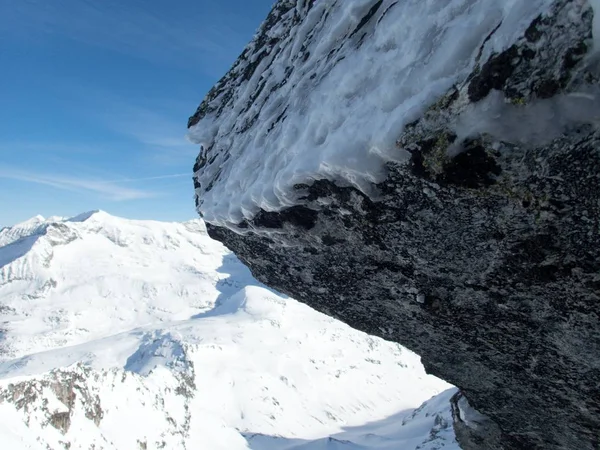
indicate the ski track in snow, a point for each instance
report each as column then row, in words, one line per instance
column 167, row 341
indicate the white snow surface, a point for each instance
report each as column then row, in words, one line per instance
column 320, row 105
column 165, row 340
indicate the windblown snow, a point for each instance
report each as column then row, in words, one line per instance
column 332, row 85
column 121, row 334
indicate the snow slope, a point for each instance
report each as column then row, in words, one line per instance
column 124, row 334
column 326, row 88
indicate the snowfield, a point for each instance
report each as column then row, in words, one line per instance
column 122, row 334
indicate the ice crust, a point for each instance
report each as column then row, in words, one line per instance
column 344, row 104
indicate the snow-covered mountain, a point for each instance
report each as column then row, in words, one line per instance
column 122, row 334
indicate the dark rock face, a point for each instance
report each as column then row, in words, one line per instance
column 483, row 253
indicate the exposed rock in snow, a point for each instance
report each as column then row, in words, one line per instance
column 428, row 172
column 149, row 335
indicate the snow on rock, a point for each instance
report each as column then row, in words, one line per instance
column 427, row 172
column 79, row 408
column 149, row 335
column 326, row 88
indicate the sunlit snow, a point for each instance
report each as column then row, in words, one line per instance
column 330, row 103
column 167, row 341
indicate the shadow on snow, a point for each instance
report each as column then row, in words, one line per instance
column 231, row 289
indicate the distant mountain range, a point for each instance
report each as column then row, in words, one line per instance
column 123, row 334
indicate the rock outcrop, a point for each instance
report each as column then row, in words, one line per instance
column 479, row 249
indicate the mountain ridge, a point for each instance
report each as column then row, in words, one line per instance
column 142, row 334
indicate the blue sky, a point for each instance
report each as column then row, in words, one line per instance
column 95, row 97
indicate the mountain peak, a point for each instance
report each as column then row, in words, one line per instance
column 86, row 215
column 31, row 222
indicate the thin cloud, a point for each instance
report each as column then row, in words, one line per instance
column 151, row 126
column 158, row 177
column 108, row 189
column 55, row 148
column 140, row 29
column 148, row 127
